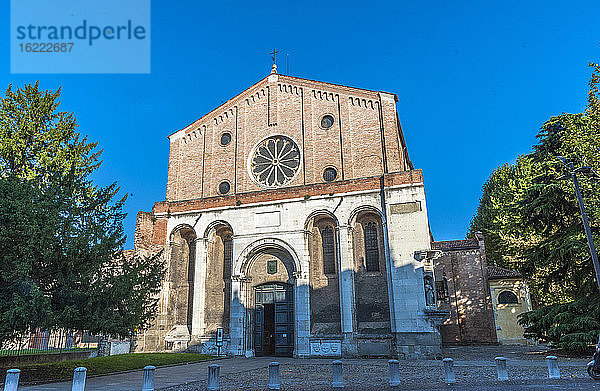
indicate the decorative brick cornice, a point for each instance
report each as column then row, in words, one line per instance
column 372, row 183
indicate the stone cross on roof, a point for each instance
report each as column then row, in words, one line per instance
column 273, row 54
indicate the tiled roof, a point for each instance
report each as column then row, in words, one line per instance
column 498, row 273
column 455, row 245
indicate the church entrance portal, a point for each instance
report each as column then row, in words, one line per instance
column 273, row 320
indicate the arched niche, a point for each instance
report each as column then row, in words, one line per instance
column 323, row 249
column 218, row 277
column 181, row 276
column 370, row 272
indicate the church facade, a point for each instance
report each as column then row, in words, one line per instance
column 294, row 224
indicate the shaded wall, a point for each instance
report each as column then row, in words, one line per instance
column 462, row 270
column 372, row 304
column 324, row 287
column 218, row 281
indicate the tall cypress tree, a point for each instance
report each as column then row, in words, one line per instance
column 62, row 263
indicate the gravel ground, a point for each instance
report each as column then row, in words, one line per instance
column 474, row 369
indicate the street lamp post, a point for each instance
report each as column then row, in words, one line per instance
column 593, row 366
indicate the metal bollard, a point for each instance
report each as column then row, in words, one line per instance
column 338, row 377
column 553, row 370
column 501, row 368
column 394, row 373
column 449, row 377
column 274, row 383
column 213, row 377
column 79, row 379
column 148, row 380
column 12, row 380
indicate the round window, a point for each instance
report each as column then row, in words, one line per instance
column 224, row 187
column 225, row 138
column 327, row 121
column 275, row 161
column 330, row 174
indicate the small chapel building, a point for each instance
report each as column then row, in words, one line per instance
column 294, row 224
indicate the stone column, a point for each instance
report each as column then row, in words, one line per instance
column 199, row 293
column 302, row 314
column 390, row 267
column 347, row 290
column 237, row 316
column 346, row 279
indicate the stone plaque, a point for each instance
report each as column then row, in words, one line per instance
column 267, row 219
column 272, row 266
column 405, row 207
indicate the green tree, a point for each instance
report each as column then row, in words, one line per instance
column 62, row 263
column 532, row 223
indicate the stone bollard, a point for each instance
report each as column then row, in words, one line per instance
column 274, row 383
column 338, row 377
column 213, row 377
column 79, row 379
column 449, row 377
column 148, row 380
column 394, row 373
column 501, row 369
column 12, row 380
column 553, row 371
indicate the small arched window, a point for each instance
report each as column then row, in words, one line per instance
column 328, row 240
column 227, row 256
column 371, row 247
column 507, row 297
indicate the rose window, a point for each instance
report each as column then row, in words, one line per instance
column 275, row 161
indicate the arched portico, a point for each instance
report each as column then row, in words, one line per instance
column 180, row 277
column 269, row 295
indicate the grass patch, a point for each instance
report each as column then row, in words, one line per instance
column 63, row 370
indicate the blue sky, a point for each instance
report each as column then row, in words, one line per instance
column 475, row 81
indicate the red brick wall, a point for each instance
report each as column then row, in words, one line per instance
column 364, row 140
column 464, row 265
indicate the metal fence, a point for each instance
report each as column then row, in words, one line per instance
column 47, row 341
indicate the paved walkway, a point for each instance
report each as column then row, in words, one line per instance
column 474, row 366
column 163, row 377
